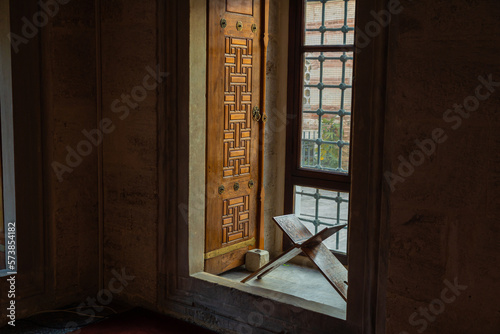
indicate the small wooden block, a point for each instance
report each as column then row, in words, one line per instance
column 282, row 259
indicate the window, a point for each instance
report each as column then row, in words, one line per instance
column 320, row 105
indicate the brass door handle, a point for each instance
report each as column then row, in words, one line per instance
column 256, row 114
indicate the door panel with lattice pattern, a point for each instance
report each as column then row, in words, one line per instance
column 233, row 168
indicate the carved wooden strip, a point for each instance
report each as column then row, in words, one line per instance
column 228, row 249
column 237, row 100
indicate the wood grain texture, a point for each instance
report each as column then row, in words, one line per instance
column 240, row 6
column 293, row 228
column 233, row 136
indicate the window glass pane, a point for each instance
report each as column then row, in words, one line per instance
column 326, row 111
column 319, row 208
column 329, row 22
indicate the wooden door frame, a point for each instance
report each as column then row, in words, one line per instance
column 185, row 295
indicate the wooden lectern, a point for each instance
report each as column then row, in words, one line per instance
column 312, row 246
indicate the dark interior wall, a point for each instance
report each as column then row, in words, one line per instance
column 68, row 96
column 54, row 100
column 66, row 79
column 443, row 219
column 130, row 203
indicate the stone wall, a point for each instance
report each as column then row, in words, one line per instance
column 69, row 107
column 443, row 219
column 130, row 153
column 98, row 189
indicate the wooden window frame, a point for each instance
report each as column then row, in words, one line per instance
column 295, row 174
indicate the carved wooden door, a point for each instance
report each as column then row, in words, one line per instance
column 234, row 161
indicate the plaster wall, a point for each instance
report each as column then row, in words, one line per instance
column 69, row 107
column 130, row 153
column 443, row 219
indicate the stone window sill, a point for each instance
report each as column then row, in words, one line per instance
column 291, row 284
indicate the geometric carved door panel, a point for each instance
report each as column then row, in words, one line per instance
column 237, row 106
column 233, row 213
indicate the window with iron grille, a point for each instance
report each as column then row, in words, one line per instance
column 321, row 62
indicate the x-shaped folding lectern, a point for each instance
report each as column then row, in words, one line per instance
column 312, row 246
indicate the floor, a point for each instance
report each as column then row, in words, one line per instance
column 140, row 321
column 134, row 321
column 298, row 281
column 60, row 321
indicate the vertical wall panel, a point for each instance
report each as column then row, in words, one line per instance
column 130, row 204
